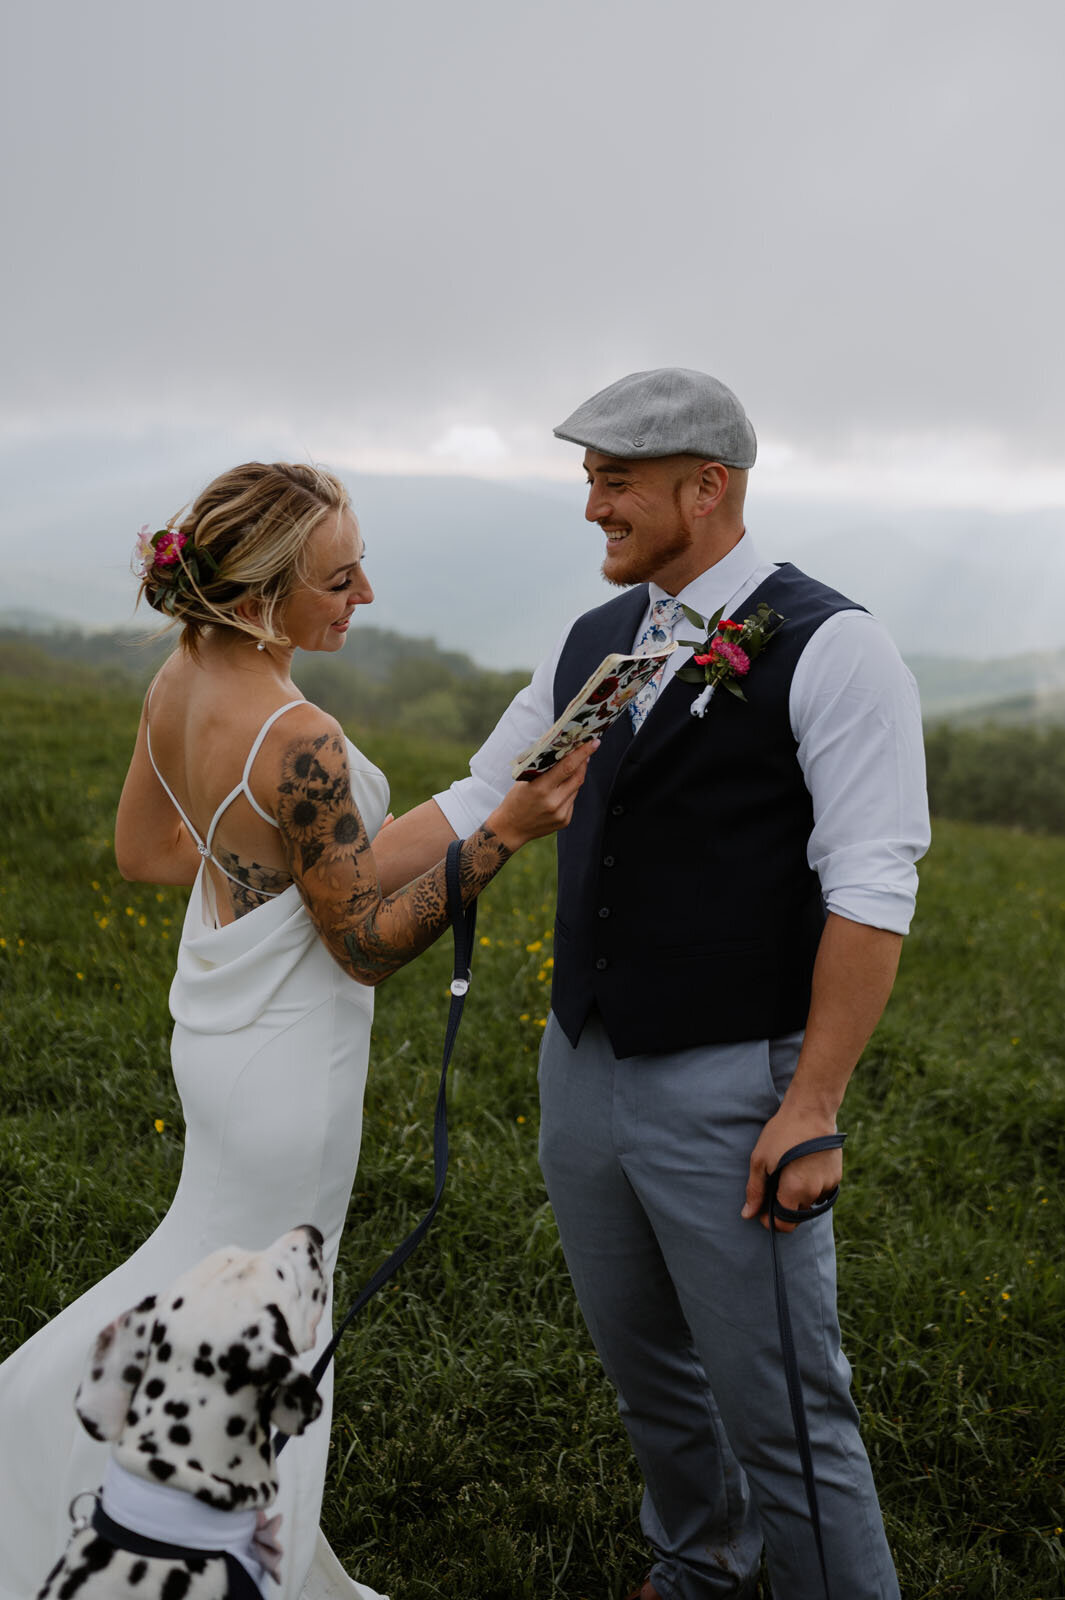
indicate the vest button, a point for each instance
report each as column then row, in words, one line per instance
column 617, row 811
column 608, row 861
column 604, row 911
column 602, row 964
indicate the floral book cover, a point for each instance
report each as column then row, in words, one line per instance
column 605, row 695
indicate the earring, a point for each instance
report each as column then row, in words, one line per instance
column 261, row 645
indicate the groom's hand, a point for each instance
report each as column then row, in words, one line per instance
column 804, row 1181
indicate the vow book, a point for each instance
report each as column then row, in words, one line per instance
column 591, row 711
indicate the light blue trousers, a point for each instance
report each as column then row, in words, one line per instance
column 645, row 1162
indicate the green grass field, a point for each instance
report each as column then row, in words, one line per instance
column 476, row 1450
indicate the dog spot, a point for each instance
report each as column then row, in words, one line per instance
column 90, row 1428
column 176, row 1408
column 147, row 1304
column 132, row 1374
column 234, row 1426
column 158, row 1332
column 148, row 1447
column 266, row 1450
column 97, row 1374
column 154, row 1388
column 194, row 1465
column 178, row 1303
column 179, row 1434
column 137, row 1572
column 161, row 1469
column 176, row 1585
column 282, row 1338
column 204, row 1367
column 277, row 1368
column 163, row 1353
column 233, row 1465
column 132, row 1418
column 235, row 1363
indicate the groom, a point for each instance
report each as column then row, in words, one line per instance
column 733, row 892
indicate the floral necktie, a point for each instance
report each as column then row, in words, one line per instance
column 665, row 614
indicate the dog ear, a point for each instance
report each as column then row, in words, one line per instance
column 296, row 1401
column 113, row 1371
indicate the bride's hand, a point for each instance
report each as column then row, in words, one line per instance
column 266, row 1544
column 537, row 806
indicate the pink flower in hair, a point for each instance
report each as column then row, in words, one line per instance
column 169, row 545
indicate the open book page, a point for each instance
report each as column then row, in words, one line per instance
column 605, row 695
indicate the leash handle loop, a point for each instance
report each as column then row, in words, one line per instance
column 463, row 924
column 777, row 1212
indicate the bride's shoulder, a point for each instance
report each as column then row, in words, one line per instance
column 303, row 745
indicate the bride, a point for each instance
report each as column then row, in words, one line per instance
column 251, row 794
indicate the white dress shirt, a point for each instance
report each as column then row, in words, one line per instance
column 856, row 717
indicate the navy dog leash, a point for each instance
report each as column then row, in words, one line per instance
column 777, row 1212
column 463, row 922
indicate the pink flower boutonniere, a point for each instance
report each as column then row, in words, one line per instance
column 727, row 651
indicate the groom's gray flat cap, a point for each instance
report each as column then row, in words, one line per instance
column 671, row 411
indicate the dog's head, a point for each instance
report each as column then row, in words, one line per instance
column 188, row 1384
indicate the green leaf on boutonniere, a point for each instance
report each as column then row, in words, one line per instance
column 691, row 674
column 690, row 644
column 711, row 625
column 733, row 688
column 694, row 618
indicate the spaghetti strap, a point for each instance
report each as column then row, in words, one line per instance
column 254, row 751
column 200, row 845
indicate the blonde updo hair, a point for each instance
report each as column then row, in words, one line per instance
column 242, row 543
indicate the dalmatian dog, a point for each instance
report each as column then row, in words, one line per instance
column 186, row 1387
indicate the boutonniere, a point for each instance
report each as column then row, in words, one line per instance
column 727, row 651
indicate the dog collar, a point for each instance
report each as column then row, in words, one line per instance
column 241, row 1584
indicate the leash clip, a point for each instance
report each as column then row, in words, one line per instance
column 459, row 986
column 80, row 1520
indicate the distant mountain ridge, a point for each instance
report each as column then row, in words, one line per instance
column 496, row 569
column 382, row 672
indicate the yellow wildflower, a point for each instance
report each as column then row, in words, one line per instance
column 159, row 1124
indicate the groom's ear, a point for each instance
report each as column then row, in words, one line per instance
column 113, row 1371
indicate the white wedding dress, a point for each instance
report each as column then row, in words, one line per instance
column 269, row 1051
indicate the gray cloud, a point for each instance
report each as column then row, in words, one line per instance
column 376, row 222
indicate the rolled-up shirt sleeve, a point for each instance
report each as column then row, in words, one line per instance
column 856, row 715
column 531, row 712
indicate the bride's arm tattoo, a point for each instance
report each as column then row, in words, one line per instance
column 329, row 852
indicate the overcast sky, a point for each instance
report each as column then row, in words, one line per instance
column 414, row 236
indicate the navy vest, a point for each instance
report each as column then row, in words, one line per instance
column 687, row 913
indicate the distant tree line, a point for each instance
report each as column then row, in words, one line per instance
column 1010, row 776
column 381, row 680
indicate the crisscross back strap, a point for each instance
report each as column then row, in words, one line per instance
column 243, row 786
